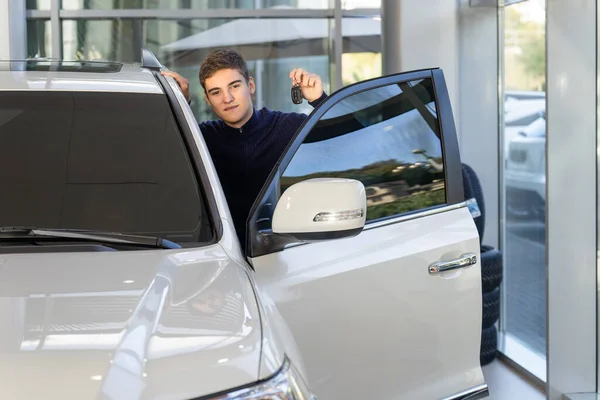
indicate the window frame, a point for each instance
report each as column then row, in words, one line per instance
column 261, row 240
column 348, row 124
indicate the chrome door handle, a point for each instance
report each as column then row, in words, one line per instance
column 464, row 261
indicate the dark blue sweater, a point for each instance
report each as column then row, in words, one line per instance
column 244, row 157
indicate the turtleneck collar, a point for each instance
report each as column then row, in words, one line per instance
column 251, row 123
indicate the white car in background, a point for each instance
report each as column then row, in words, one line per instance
column 121, row 275
column 525, row 171
column 520, row 109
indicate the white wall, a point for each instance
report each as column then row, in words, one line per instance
column 571, row 196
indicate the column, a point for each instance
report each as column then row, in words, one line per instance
column 390, row 36
column 571, row 196
column 13, row 40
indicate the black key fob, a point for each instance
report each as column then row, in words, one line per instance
column 296, row 94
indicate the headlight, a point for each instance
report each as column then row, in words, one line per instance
column 286, row 385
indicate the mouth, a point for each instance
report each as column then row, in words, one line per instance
column 230, row 108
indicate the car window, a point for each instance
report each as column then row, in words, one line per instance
column 386, row 137
column 102, row 161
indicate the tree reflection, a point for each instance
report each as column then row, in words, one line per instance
column 392, row 187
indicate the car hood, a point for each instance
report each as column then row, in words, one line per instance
column 162, row 324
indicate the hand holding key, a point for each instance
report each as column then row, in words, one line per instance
column 296, row 94
column 306, row 84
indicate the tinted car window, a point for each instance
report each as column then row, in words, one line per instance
column 102, row 161
column 389, row 139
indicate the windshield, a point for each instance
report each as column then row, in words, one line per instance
column 111, row 162
column 536, row 129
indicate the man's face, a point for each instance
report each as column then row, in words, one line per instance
column 228, row 93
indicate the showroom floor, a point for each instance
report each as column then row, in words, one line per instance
column 505, row 383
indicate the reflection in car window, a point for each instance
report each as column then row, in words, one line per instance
column 102, row 161
column 386, row 137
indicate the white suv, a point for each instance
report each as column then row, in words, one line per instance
column 122, row 277
column 525, row 172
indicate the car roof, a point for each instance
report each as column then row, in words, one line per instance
column 80, row 76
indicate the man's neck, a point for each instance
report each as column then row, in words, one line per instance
column 242, row 122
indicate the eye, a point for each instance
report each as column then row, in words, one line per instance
column 237, row 85
column 214, row 93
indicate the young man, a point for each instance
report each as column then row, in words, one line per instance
column 245, row 143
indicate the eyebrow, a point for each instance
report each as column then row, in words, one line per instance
column 230, row 83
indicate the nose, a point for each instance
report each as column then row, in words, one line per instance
column 228, row 98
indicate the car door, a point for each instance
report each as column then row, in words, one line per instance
column 371, row 314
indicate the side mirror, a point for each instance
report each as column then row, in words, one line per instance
column 321, row 209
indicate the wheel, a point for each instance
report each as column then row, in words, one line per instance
column 491, row 308
column 489, row 345
column 491, row 268
column 472, row 190
column 524, row 205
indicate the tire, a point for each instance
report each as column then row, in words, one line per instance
column 491, row 268
column 491, row 308
column 489, row 345
column 472, row 190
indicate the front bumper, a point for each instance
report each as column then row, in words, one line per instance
column 524, row 181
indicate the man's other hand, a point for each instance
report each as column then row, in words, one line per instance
column 183, row 83
column 311, row 84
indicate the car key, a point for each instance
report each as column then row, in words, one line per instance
column 296, row 94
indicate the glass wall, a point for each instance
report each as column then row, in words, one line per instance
column 39, row 38
column 523, row 146
column 302, row 34
column 38, row 4
column 182, row 45
column 176, row 4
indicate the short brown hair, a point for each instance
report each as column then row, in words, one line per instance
column 222, row 59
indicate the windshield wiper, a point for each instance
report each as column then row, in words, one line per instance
column 17, row 233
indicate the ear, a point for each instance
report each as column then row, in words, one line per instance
column 251, row 85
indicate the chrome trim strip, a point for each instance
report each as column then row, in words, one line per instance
column 426, row 213
column 476, row 393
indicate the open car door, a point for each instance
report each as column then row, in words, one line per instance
column 363, row 240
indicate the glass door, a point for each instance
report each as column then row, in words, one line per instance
column 523, row 184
